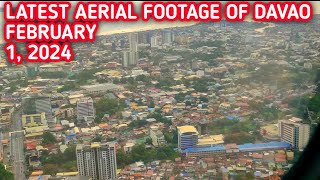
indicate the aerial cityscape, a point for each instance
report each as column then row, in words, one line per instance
column 206, row 101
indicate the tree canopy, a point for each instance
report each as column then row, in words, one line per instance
column 48, row 138
column 4, row 174
column 107, row 106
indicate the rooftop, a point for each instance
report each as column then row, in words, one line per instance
column 209, row 140
column 243, row 147
column 187, row 129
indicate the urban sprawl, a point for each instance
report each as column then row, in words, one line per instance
column 207, row 101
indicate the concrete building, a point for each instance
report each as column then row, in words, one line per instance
column 187, row 137
column 31, row 120
column 167, row 37
column 155, row 41
column 39, row 104
column 234, row 148
column 294, row 132
column 100, row 88
column 144, row 37
column 126, row 58
column 200, row 73
column 133, row 41
column 131, row 57
column 210, row 140
column 128, row 147
column 157, row 137
column 97, row 161
column 85, row 110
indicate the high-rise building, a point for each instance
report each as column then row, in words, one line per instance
column 131, row 57
column 97, row 161
column 37, row 105
column 294, row 132
column 133, row 41
column 125, row 58
column 142, row 37
column 85, row 110
column 155, row 41
column 187, row 137
column 167, row 37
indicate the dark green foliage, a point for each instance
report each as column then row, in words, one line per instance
column 138, row 123
column 107, row 106
column 140, row 153
column 85, row 75
column 60, row 162
column 4, row 174
column 53, row 75
column 67, row 87
column 160, row 118
column 48, row 138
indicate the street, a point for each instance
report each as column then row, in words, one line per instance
column 16, row 146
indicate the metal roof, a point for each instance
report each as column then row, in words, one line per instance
column 243, row 147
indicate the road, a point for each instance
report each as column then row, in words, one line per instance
column 16, row 146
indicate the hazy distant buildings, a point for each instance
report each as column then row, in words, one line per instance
column 85, row 110
column 167, row 37
column 155, row 41
column 294, row 132
column 97, row 161
column 187, row 137
column 144, row 37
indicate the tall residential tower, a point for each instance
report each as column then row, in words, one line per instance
column 97, row 161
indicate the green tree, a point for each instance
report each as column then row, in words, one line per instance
column 4, row 174
column 97, row 139
column 160, row 118
column 151, row 105
column 67, row 87
column 122, row 159
column 107, row 106
column 51, row 169
column 188, row 103
column 148, row 141
column 48, row 138
column 53, row 75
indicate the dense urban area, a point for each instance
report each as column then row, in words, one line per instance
column 207, row 101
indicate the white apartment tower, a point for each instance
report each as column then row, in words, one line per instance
column 85, row 110
column 97, row 161
column 131, row 57
column 294, row 132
